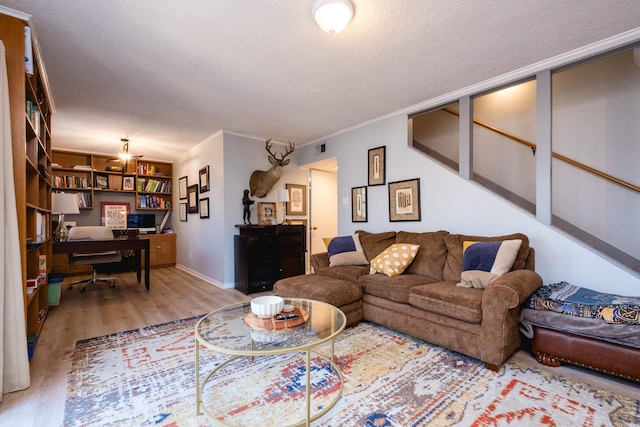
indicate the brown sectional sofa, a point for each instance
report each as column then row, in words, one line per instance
column 424, row 301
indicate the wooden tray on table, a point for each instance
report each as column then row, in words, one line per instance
column 273, row 324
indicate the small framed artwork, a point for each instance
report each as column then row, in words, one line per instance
column 128, row 183
column 404, row 200
column 114, row 214
column 297, row 204
column 182, row 208
column 204, row 207
column 359, row 204
column 204, row 179
column 182, row 188
column 377, row 166
column 267, row 213
column 192, row 196
column 101, row 180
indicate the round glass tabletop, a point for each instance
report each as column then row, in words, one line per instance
column 236, row 330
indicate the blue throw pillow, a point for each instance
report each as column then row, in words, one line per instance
column 483, row 262
column 346, row 250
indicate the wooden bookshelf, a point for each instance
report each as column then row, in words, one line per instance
column 83, row 173
column 31, row 111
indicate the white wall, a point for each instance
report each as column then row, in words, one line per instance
column 196, row 252
column 231, row 158
column 451, row 203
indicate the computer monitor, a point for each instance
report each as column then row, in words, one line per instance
column 141, row 221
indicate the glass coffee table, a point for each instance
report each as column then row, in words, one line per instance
column 234, row 330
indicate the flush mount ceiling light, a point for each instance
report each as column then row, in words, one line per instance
column 332, row 16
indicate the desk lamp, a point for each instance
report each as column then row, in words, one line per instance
column 61, row 204
column 283, row 197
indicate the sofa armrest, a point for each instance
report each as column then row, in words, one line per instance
column 319, row 260
column 511, row 289
column 501, row 303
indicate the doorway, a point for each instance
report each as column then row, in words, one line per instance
column 323, row 204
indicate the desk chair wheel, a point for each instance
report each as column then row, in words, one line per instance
column 92, row 281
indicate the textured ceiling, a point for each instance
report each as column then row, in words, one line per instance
column 167, row 74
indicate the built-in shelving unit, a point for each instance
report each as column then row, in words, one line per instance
column 86, row 174
column 30, row 110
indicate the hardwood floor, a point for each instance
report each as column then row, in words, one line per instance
column 174, row 295
column 101, row 310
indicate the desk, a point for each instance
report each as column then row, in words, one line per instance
column 95, row 246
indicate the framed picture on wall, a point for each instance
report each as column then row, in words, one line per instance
column 359, row 204
column 192, row 198
column 297, row 204
column 204, row 179
column 182, row 187
column 404, row 200
column 377, row 166
column 182, row 211
column 204, row 207
column 114, row 214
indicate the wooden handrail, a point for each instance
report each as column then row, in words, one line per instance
column 555, row 155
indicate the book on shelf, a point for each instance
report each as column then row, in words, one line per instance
column 39, row 225
column 84, row 199
column 35, row 282
column 28, row 51
column 67, row 181
column 42, row 266
column 147, row 201
column 82, row 167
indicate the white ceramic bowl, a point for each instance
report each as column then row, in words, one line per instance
column 267, row 306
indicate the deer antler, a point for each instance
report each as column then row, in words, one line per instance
column 268, row 146
column 290, row 149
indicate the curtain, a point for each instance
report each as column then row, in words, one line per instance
column 14, row 359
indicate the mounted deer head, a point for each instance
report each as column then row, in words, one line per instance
column 261, row 182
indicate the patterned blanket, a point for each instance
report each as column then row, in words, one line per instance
column 563, row 297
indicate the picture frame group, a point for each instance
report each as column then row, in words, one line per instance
column 403, row 196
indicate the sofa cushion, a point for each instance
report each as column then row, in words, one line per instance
column 395, row 259
column 396, row 288
column 332, row 291
column 449, row 300
column 350, row 273
column 483, row 262
column 346, row 250
column 453, row 265
column 432, row 254
column 374, row 243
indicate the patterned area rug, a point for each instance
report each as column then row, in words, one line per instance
column 146, row 377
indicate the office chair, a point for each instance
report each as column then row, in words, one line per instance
column 93, row 233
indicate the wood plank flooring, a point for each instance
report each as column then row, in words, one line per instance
column 174, row 295
column 101, row 310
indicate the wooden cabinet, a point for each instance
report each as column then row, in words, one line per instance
column 162, row 253
column 30, row 111
column 162, row 249
column 266, row 254
column 86, row 174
